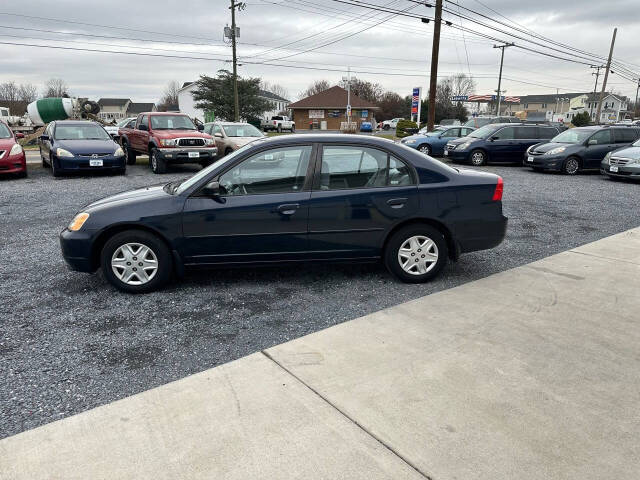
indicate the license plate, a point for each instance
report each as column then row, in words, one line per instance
column 95, row 163
column 529, row 159
column 194, row 154
column 614, row 168
column 446, row 153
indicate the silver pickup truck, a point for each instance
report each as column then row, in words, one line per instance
column 278, row 123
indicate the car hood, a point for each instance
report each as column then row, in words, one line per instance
column 458, row 141
column 180, row 134
column 6, row 143
column 84, row 147
column 628, row 152
column 545, row 147
column 130, row 196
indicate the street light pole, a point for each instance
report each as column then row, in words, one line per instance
column 501, row 47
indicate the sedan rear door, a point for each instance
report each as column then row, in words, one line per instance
column 359, row 193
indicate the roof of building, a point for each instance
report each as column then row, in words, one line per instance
column 113, row 102
column 335, row 97
column 272, row 96
column 549, row 98
column 135, row 108
column 186, row 84
column 596, row 97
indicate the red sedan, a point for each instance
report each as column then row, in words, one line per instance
column 12, row 157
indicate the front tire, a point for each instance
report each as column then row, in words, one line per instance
column 279, row 128
column 135, row 261
column 426, row 149
column 416, row 253
column 293, row 129
column 55, row 171
column 158, row 165
column 386, row 127
column 571, row 166
column 478, row 158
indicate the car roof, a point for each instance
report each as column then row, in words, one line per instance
column 76, row 122
column 163, row 113
column 331, row 138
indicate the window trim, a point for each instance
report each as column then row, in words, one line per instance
column 306, row 186
column 317, row 177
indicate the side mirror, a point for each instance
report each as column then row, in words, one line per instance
column 143, row 127
column 494, row 138
column 19, row 135
column 217, row 134
column 44, row 138
column 212, row 189
column 200, row 127
column 592, row 142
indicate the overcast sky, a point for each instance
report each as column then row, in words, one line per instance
column 394, row 50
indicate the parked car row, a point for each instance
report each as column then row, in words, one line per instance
column 12, row 157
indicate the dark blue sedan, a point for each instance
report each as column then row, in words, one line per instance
column 80, row 146
column 293, row 198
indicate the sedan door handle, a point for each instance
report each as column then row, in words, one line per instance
column 288, row 208
column 396, row 202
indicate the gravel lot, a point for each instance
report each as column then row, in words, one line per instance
column 70, row 342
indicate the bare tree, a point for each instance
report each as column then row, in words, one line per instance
column 372, row 92
column 275, row 89
column 170, row 94
column 27, row 92
column 461, row 84
column 9, row 91
column 316, row 87
column 56, row 87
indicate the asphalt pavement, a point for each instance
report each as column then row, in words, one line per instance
column 69, row 342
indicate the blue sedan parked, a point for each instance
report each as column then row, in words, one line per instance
column 80, row 146
column 293, row 198
column 433, row 143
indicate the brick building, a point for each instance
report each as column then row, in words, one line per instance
column 330, row 106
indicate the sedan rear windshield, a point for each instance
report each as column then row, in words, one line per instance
column 573, row 135
column 171, row 122
column 81, row 132
column 4, row 131
column 246, row 130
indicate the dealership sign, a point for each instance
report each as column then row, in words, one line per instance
column 316, row 113
column 483, row 98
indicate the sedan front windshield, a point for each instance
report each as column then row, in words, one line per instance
column 171, row 122
column 81, row 132
column 484, row 132
column 205, row 171
column 573, row 135
column 4, row 131
column 242, row 130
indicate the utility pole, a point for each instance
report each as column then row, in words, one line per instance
column 435, row 50
column 595, row 87
column 606, row 74
column 236, row 103
column 501, row 47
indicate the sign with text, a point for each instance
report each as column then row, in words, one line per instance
column 316, row 113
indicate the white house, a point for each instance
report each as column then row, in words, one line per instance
column 113, row 108
column 186, row 103
column 614, row 108
column 278, row 104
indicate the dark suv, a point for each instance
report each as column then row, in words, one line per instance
column 500, row 143
column 580, row 148
column 478, row 122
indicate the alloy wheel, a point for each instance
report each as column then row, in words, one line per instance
column 134, row 263
column 572, row 166
column 477, row 158
column 425, row 149
column 418, row 255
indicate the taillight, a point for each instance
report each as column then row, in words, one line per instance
column 497, row 193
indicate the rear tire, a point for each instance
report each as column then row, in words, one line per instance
column 129, row 154
column 158, row 165
column 386, row 127
column 571, row 166
column 293, row 129
column 279, row 128
column 416, row 253
column 147, row 277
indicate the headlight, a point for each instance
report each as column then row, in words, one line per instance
column 607, row 158
column 168, row 142
column 555, row 151
column 410, row 142
column 463, row 146
column 16, row 149
column 209, row 141
column 61, row 152
column 77, row 223
column 118, row 152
